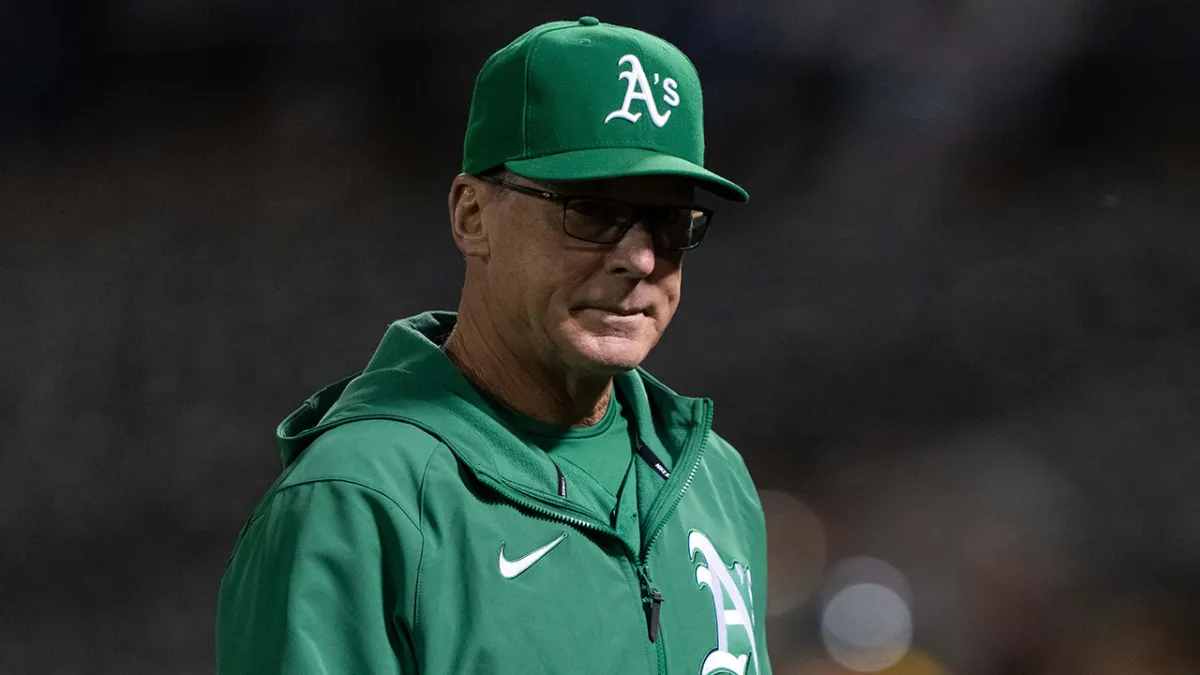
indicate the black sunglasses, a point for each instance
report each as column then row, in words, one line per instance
column 605, row 221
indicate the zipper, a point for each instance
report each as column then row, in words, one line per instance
column 658, row 509
column 651, row 601
column 530, row 502
column 652, row 598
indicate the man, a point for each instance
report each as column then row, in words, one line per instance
column 504, row 490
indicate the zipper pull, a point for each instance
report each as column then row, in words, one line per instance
column 656, row 599
column 652, row 599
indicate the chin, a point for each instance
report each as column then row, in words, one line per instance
column 611, row 355
column 607, row 354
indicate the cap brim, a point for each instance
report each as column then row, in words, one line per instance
column 600, row 163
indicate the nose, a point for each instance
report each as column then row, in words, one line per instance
column 634, row 255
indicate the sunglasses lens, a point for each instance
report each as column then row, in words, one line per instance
column 596, row 220
column 680, row 229
column 604, row 221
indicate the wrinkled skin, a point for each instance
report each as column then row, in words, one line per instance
column 552, row 317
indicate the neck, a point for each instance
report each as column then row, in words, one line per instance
column 523, row 383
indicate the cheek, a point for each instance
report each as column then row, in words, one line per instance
column 533, row 276
column 560, row 278
column 671, row 283
column 509, row 277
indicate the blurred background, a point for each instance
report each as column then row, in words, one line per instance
column 954, row 333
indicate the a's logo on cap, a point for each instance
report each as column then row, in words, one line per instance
column 639, row 90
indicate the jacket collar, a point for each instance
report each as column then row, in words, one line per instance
column 410, row 379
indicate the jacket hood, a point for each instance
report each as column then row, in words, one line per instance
column 409, row 379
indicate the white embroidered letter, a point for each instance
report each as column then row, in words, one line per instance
column 714, row 574
column 638, row 89
column 671, row 98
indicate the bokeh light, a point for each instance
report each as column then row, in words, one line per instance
column 866, row 627
column 866, row 623
column 796, row 555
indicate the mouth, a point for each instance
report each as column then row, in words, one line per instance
column 617, row 311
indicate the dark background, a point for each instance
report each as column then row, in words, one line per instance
column 954, row 333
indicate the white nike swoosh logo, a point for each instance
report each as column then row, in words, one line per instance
column 511, row 568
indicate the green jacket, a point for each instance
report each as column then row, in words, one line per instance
column 411, row 532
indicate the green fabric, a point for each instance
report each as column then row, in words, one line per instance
column 392, row 541
column 597, row 454
column 595, row 462
column 577, row 100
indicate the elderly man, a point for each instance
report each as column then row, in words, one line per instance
column 504, row 490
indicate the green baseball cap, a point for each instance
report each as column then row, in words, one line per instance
column 582, row 100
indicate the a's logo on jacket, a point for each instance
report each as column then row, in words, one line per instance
column 734, row 611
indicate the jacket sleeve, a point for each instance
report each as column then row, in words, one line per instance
column 322, row 582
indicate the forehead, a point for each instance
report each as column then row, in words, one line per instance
column 635, row 189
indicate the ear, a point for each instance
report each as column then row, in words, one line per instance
column 467, row 196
